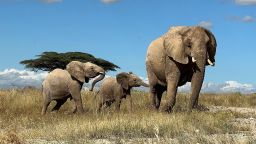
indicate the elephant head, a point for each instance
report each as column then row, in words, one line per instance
column 128, row 80
column 183, row 44
column 84, row 71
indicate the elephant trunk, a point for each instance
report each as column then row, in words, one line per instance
column 101, row 76
column 144, row 84
column 196, row 84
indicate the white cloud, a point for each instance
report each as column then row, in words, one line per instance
column 246, row 19
column 228, row 86
column 245, row 2
column 51, row 1
column 10, row 78
column 109, row 1
column 234, row 86
column 205, row 24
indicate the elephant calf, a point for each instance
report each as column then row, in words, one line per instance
column 115, row 89
column 61, row 84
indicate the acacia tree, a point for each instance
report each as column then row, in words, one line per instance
column 48, row 61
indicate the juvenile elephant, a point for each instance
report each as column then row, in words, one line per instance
column 61, row 84
column 177, row 57
column 115, row 89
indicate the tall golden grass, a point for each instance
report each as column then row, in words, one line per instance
column 21, row 122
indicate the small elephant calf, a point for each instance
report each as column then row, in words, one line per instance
column 115, row 89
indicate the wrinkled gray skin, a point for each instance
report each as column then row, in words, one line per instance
column 179, row 56
column 61, row 84
column 115, row 89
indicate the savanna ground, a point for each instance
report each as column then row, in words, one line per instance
column 231, row 119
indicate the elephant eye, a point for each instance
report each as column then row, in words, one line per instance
column 91, row 68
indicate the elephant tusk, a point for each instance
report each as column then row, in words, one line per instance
column 211, row 63
column 101, row 73
column 193, row 59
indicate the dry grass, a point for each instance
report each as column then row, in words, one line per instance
column 20, row 120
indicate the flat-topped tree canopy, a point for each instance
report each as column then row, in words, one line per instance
column 48, row 61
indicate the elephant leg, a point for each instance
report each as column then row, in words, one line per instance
column 152, row 95
column 171, row 95
column 101, row 103
column 78, row 104
column 59, row 103
column 75, row 91
column 173, row 75
column 158, row 99
column 159, row 92
column 108, row 103
column 46, row 102
column 45, row 105
column 74, row 105
column 152, row 79
column 196, row 85
column 100, row 106
column 118, row 103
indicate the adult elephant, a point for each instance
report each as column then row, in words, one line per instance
column 177, row 57
column 61, row 84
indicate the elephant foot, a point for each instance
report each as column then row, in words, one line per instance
column 79, row 111
column 43, row 113
column 168, row 109
column 154, row 108
column 67, row 113
column 198, row 108
column 54, row 111
column 179, row 108
column 201, row 108
column 73, row 111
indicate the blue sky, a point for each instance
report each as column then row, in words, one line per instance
column 121, row 30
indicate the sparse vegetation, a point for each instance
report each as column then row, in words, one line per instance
column 20, row 120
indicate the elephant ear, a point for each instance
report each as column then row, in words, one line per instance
column 76, row 70
column 174, row 45
column 211, row 46
column 123, row 80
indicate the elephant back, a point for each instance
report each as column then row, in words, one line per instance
column 57, row 82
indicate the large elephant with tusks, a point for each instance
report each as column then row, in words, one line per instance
column 179, row 56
